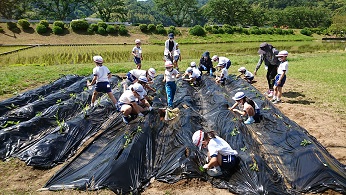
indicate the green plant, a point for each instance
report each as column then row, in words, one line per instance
column 41, row 29
column 102, row 24
column 234, row 132
column 243, row 148
column 228, row 29
column 79, row 25
column 160, row 29
column 1, row 30
column 10, row 123
column 45, row 23
column 58, row 101
column 24, row 23
column 11, row 25
column 208, row 28
column 123, row 31
column 101, row 31
column 57, row 30
column 12, row 106
column 143, row 27
column 73, row 95
column 197, row 30
column 110, row 29
column 151, row 28
column 38, row 114
column 306, row 31
column 254, row 166
column 305, row 142
column 61, row 24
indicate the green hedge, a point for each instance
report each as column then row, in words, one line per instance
column 79, row 25
column 24, row 23
column 11, row 25
column 123, row 31
column 45, row 23
column 197, row 30
column 57, row 30
column 59, row 23
column 143, row 28
column 41, row 29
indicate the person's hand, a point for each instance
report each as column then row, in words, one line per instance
column 279, row 82
column 150, row 108
column 163, row 80
column 255, row 73
column 206, row 166
column 235, row 110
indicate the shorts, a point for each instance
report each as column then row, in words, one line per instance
column 228, row 64
column 228, row 162
column 199, row 78
column 250, row 78
column 282, row 81
column 103, row 87
column 257, row 116
column 223, row 80
column 175, row 58
column 130, row 77
column 120, row 104
column 137, row 60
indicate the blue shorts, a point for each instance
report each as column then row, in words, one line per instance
column 199, row 78
column 228, row 64
column 228, row 162
column 137, row 60
column 103, row 87
column 175, row 58
column 282, row 81
column 130, row 77
column 250, row 78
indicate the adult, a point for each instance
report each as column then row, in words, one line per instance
column 170, row 47
column 267, row 54
column 205, row 63
column 221, row 156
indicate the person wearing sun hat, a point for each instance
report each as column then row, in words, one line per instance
column 222, row 60
column 137, row 54
column 248, row 76
column 170, row 47
column 205, row 63
column 101, row 79
column 280, row 78
column 223, row 75
column 170, row 77
column 249, row 108
column 194, row 76
column 220, row 156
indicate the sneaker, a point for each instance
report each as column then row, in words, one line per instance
column 216, row 171
column 277, row 101
column 270, row 94
column 126, row 119
column 249, row 121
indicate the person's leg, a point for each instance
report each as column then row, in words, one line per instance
column 111, row 96
column 169, row 94
column 271, row 77
column 126, row 110
column 174, row 89
column 279, row 93
column 139, row 66
column 93, row 98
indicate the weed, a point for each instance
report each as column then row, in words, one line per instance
column 201, row 169
column 266, row 108
column 234, row 119
column 41, row 97
column 305, row 142
column 8, row 123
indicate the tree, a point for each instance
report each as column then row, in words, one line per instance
column 57, row 9
column 181, row 12
column 338, row 26
column 13, row 9
column 232, row 12
column 109, row 10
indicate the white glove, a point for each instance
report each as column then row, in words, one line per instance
column 150, row 108
column 206, row 166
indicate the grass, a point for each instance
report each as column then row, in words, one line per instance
column 4, row 49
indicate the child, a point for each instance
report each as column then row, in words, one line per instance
column 170, row 76
column 194, row 76
column 134, row 74
column 223, row 75
column 137, row 54
column 222, row 60
column 250, row 108
column 101, row 75
column 280, row 78
column 176, row 56
column 248, row 76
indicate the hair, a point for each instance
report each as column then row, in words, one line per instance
column 249, row 101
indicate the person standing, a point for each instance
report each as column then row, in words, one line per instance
column 137, row 54
column 170, row 47
column 205, row 63
column 101, row 79
column 280, row 78
column 220, row 157
column 170, row 77
column 176, row 57
column 267, row 54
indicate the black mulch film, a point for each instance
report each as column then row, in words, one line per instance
column 48, row 125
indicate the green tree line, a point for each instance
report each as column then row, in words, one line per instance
column 261, row 13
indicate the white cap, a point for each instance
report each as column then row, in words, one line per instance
column 139, row 89
column 197, row 138
column 189, row 69
column 241, row 69
column 214, row 58
column 176, row 44
column 282, row 53
column 152, row 72
column 168, row 64
column 193, row 64
column 143, row 79
column 238, row 96
column 137, row 41
column 98, row 59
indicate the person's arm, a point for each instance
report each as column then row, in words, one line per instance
column 242, row 112
column 234, row 105
column 109, row 75
column 164, row 78
column 93, row 81
column 259, row 63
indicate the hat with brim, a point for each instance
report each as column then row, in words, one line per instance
column 197, row 138
column 238, row 96
column 171, row 35
column 241, row 69
column 262, row 48
column 282, row 53
column 98, row 59
column 193, row 64
column 152, row 72
column 143, row 79
column 168, row 64
column 206, row 54
column 139, row 89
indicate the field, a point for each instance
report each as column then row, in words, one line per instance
column 314, row 96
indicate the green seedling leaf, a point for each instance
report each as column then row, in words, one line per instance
column 201, row 169
column 234, row 119
column 243, row 148
column 254, row 166
column 234, row 132
column 72, row 95
column 58, row 101
column 266, row 108
column 39, row 114
column 305, row 142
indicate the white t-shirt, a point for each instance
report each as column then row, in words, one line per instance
column 137, row 73
column 166, row 51
column 248, row 74
column 218, row 145
column 195, row 73
column 223, row 60
column 224, row 73
column 171, row 75
column 127, row 97
column 176, row 52
column 283, row 66
column 102, row 73
column 137, row 51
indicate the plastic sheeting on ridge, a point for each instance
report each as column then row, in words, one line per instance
column 124, row 158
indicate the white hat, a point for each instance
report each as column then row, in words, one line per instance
column 241, row 69
column 143, row 79
column 189, row 69
column 197, row 138
column 139, row 89
column 152, row 72
column 282, row 53
column 238, row 96
column 98, row 59
column 193, row 64
column 168, row 64
column 137, row 41
column 214, row 58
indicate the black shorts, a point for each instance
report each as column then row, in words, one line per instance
column 103, row 87
column 228, row 162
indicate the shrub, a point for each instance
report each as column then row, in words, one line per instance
column 91, row 31
column 57, row 30
column 102, row 24
column 239, row 29
column 151, row 28
column 173, row 30
column 122, row 30
column 79, row 25
column 59, row 23
column 278, row 31
column 93, row 27
column 143, row 27
column 41, row 29
column 228, row 29
column 24, row 23
column 245, row 31
column 110, row 29
column 255, row 30
column 11, row 25
column 306, row 31
column 45, row 23
column 271, row 31
column 290, row 32
column 215, row 30
column 160, row 29
column 101, row 31
column 208, row 28
column 197, row 31
column 116, row 27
